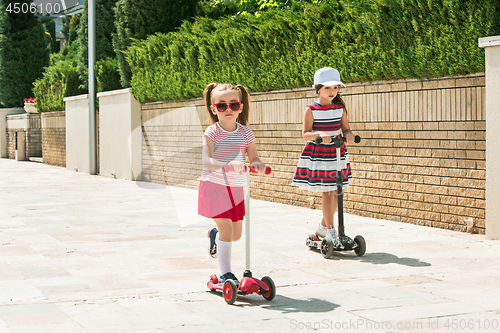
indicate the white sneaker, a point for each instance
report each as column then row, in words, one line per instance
column 321, row 231
column 330, row 233
column 335, row 240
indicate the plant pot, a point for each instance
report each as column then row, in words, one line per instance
column 30, row 108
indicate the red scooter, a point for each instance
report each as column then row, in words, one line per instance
column 248, row 284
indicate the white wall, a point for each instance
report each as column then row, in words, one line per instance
column 77, row 133
column 492, row 69
column 120, row 134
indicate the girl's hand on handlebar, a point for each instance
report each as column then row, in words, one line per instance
column 349, row 137
column 325, row 137
column 237, row 166
column 259, row 166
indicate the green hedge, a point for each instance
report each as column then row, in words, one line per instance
column 365, row 39
column 58, row 81
column 107, row 75
column 137, row 19
column 62, row 80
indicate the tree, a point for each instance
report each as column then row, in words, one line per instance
column 50, row 27
column 24, row 52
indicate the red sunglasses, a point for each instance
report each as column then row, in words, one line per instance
column 233, row 106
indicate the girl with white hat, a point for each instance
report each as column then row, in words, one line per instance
column 317, row 167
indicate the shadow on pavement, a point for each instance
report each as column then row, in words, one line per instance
column 382, row 258
column 291, row 305
column 378, row 258
column 287, row 304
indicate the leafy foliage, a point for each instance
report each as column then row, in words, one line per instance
column 365, row 39
column 104, row 31
column 60, row 79
column 137, row 19
column 107, row 74
column 50, row 27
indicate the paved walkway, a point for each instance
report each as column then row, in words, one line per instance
column 81, row 253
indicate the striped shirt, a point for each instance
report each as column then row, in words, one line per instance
column 327, row 118
column 228, row 146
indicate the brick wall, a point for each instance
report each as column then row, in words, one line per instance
column 54, row 138
column 421, row 159
column 427, row 173
column 171, row 145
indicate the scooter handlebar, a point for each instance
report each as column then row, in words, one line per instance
column 229, row 168
column 319, row 139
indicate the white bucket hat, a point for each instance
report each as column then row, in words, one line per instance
column 327, row 76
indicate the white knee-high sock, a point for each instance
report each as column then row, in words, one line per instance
column 224, row 256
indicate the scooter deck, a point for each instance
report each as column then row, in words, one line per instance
column 326, row 246
column 247, row 286
column 347, row 242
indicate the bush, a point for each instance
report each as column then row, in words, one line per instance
column 62, row 79
column 107, row 75
column 59, row 81
column 365, row 39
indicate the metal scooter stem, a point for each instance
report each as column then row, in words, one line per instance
column 340, row 186
column 247, row 273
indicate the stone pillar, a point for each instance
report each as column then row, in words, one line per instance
column 120, row 134
column 29, row 125
column 492, row 69
column 77, row 133
column 3, row 128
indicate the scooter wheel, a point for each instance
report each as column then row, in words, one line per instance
column 361, row 248
column 272, row 288
column 230, row 291
column 326, row 248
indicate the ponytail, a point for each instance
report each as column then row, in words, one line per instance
column 207, row 95
column 339, row 101
column 245, row 100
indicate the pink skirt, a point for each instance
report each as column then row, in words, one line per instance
column 217, row 201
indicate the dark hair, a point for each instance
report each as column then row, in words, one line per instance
column 337, row 100
column 244, row 99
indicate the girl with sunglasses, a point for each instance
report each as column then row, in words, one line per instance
column 226, row 143
column 317, row 167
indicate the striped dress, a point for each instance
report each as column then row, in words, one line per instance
column 317, row 167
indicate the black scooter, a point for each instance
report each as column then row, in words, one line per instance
column 344, row 243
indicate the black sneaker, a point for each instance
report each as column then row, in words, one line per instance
column 212, row 249
column 228, row 276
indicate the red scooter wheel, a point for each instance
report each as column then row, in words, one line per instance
column 272, row 288
column 230, row 291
